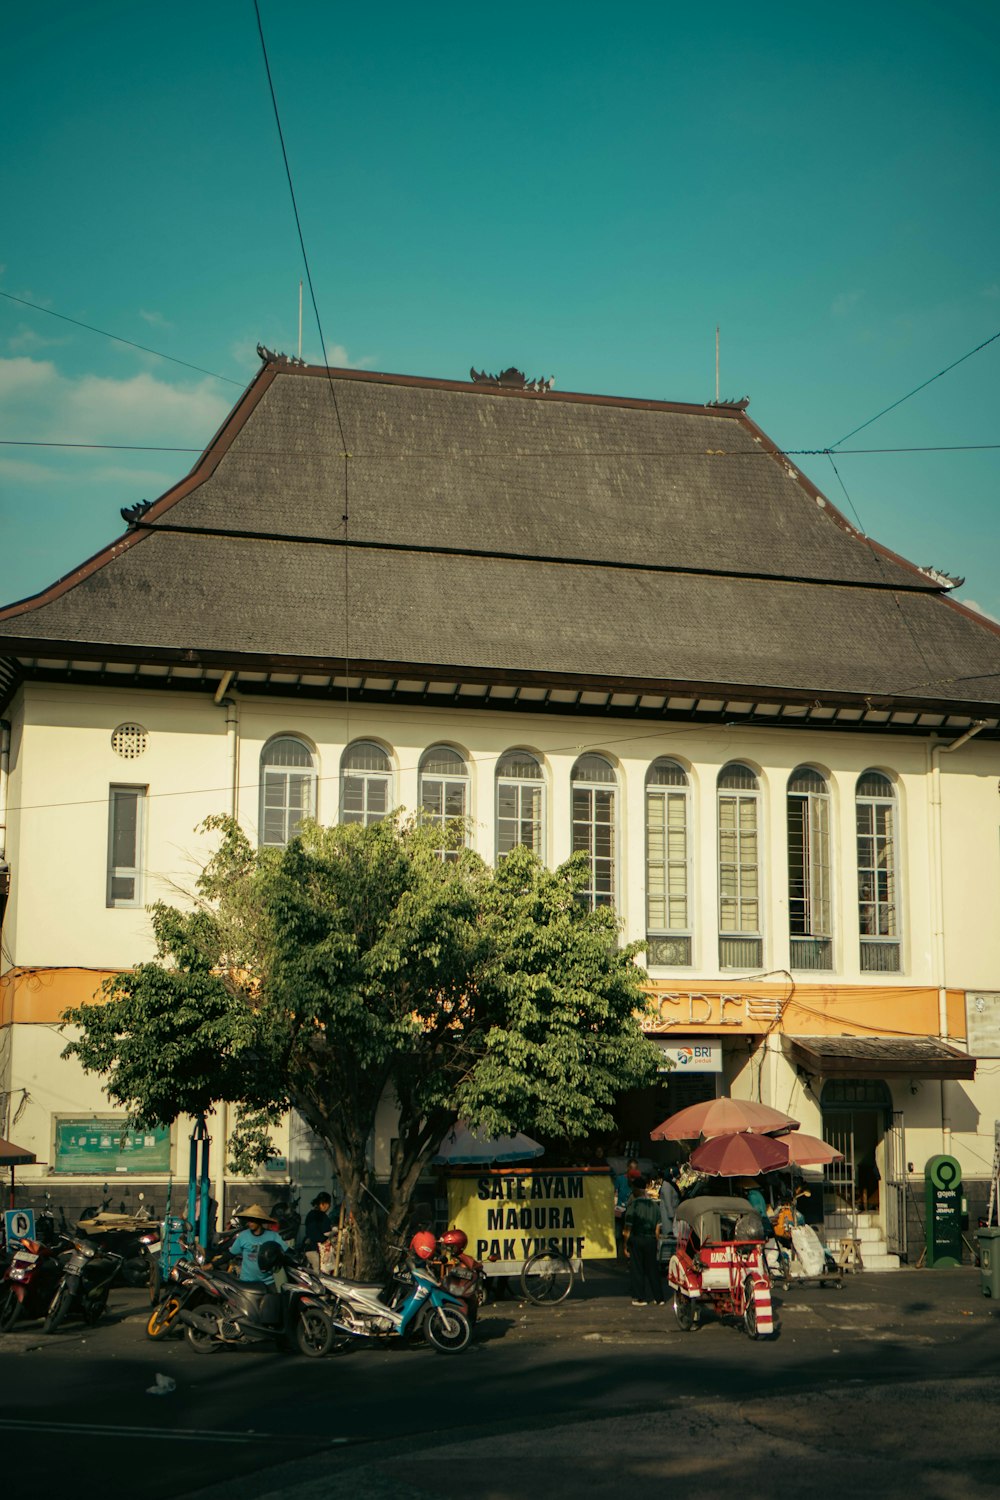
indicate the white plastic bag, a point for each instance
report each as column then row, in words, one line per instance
column 808, row 1248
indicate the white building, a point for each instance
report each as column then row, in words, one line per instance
column 626, row 626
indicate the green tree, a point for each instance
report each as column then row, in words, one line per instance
column 353, row 964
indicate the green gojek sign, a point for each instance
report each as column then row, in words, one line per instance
column 943, row 1211
column 102, row 1145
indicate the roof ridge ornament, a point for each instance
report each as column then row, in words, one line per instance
column 945, row 580
column 134, row 513
column 271, row 357
column 512, row 380
column 730, row 401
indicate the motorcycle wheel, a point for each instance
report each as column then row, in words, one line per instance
column 135, row 1271
column 314, row 1333
column 687, row 1313
column 447, row 1329
column 200, row 1341
column 162, row 1318
column 11, row 1310
column 93, row 1308
column 58, row 1309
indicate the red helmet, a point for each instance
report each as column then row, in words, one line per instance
column 423, row 1244
column 455, row 1239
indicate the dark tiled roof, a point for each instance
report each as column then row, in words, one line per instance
column 521, row 534
column 868, row 1057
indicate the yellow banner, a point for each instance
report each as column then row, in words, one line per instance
column 510, row 1215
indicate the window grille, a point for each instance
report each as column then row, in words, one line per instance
column 129, row 741
column 444, row 796
column 668, row 860
column 520, row 804
column 810, row 919
column 593, row 791
column 126, row 817
column 287, row 790
column 740, row 940
column 878, row 911
column 365, row 783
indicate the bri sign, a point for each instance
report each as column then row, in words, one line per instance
column 690, row 1055
column 510, row 1214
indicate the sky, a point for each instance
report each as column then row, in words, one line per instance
column 583, row 192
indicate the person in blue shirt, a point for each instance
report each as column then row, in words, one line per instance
column 248, row 1242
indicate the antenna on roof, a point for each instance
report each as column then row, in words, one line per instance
column 300, row 329
column 716, row 357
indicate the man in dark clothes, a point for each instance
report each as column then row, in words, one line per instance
column 640, row 1231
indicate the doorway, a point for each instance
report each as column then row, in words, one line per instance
column 857, row 1121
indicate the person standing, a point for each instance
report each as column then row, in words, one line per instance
column 316, row 1228
column 668, row 1199
column 640, row 1232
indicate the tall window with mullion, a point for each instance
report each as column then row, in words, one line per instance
column 878, row 873
column 365, row 783
column 287, row 790
column 810, row 914
column 520, row 811
column 740, row 941
column 668, row 865
column 444, row 796
column 594, row 788
column 126, row 816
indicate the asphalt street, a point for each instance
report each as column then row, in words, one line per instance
column 887, row 1386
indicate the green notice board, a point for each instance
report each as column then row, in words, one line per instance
column 99, row 1147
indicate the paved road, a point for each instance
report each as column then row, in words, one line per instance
column 886, row 1386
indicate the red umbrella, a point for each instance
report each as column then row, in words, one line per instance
column 721, row 1117
column 739, row 1155
column 807, row 1150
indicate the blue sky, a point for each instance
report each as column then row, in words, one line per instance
column 580, row 191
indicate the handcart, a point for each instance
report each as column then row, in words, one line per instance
column 719, row 1263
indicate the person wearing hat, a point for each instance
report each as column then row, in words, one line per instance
column 248, row 1242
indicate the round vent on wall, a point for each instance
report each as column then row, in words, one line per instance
column 129, row 741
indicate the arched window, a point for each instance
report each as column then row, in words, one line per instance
column 668, row 865
column 594, row 786
column 878, row 873
column 365, row 783
column 741, row 945
column 520, row 803
column 444, row 792
column 287, row 789
column 810, row 907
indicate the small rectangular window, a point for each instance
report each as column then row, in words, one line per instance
column 126, row 815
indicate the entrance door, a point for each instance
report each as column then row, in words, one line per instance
column 857, row 1119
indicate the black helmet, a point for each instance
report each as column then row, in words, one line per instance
column 270, row 1256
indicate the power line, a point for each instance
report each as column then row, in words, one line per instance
column 922, row 386
column 118, row 339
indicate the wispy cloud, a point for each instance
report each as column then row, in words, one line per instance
column 154, row 319
column 39, row 403
column 27, row 341
column 974, row 604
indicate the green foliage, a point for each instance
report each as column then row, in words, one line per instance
column 357, row 961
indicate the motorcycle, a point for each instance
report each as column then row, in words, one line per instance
column 85, row 1284
column 28, row 1282
column 360, row 1310
column 135, row 1237
column 215, row 1309
column 460, row 1274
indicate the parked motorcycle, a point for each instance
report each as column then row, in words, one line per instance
column 362, row 1310
column 460, row 1273
column 215, row 1309
column 84, row 1286
column 28, row 1283
column 135, row 1237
